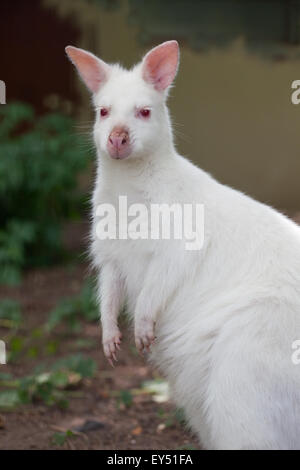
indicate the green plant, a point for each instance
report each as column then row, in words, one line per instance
column 60, row 438
column 47, row 385
column 40, row 158
column 72, row 310
column 125, row 398
column 10, row 313
column 78, row 363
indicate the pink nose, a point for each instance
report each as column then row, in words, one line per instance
column 118, row 144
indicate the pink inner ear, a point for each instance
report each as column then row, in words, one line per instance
column 92, row 70
column 160, row 65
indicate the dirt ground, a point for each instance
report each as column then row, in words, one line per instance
column 144, row 424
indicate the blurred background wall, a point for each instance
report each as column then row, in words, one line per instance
column 231, row 105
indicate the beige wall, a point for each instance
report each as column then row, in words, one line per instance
column 242, row 127
column 233, row 109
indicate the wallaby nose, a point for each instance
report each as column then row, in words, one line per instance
column 118, row 143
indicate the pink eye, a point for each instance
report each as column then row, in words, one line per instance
column 144, row 113
column 103, row 112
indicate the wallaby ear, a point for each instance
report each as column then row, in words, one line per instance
column 160, row 65
column 93, row 71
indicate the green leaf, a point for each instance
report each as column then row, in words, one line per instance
column 9, row 399
column 10, row 275
column 4, row 376
column 32, row 352
column 72, row 310
column 10, row 310
column 16, row 344
column 60, row 438
column 84, row 366
column 59, row 379
column 51, row 347
column 125, row 397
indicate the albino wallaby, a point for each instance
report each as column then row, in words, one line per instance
column 220, row 322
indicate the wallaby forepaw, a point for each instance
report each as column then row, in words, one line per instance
column 111, row 344
column 144, row 334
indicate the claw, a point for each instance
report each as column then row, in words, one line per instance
column 110, row 346
column 111, row 362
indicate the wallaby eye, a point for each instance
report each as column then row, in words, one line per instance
column 104, row 112
column 144, row 113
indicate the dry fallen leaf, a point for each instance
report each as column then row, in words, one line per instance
column 104, row 393
column 74, row 379
column 137, row 431
column 159, row 389
column 161, row 427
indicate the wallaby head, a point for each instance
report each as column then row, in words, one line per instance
column 132, row 119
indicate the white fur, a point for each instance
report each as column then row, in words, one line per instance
column 225, row 316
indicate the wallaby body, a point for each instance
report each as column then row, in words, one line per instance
column 224, row 317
